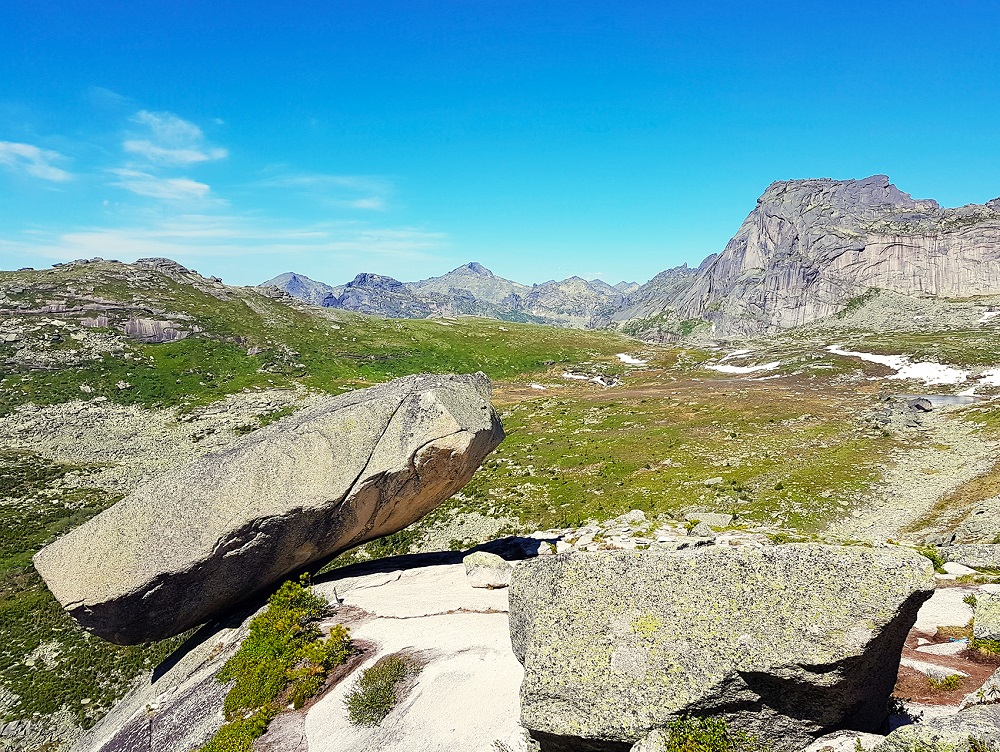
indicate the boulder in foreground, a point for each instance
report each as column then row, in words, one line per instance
column 785, row 643
column 196, row 540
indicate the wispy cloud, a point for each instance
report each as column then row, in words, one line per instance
column 199, row 236
column 32, row 160
column 369, row 192
column 170, row 189
column 170, row 141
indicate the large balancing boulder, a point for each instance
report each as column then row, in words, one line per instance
column 785, row 643
column 194, row 541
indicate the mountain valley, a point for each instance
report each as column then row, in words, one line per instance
column 778, row 386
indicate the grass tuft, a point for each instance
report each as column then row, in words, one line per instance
column 379, row 689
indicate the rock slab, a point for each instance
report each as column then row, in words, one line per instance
column 197, row 540
column 973, row 730
column 975, row 555
column 785, row 642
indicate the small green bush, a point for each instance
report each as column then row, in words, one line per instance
column 987, row 647
column 935, row 556
column 708, row 735
column 970, row 599
column 945, row 684
column 284, row 659
column 377, row 691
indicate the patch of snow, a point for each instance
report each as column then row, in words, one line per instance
column 735, row 354
column 987, row 316
column 925, row 371
column 629, row 360
column 767, row 378
column 745, row 369
column 990, row 377
column 575, row 376
column 533, row 385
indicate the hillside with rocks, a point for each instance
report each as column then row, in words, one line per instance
column 803, row 254
column 863, row 437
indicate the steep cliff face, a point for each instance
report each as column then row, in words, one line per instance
column 811, row 245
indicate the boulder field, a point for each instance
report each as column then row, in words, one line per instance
column 195, row 541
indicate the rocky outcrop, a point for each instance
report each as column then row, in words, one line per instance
column 465, row 696
column 975, row 555
column 987, row 615
column 227, row 525
column 810, row 246
column 786, row 643
column 976, row 729
column 301, row 287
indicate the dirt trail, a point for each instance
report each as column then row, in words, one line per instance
column 948, row 453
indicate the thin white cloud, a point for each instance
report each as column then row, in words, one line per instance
column 367, row 192
column 170, row 189
column 198, row 236
column 32, row 160
column 170, row 141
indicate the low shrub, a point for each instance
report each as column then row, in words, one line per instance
column 378, row 689
column 984, row 646
column 935, row 556
column 708, row 735
column 284, row 660
column 945, row 684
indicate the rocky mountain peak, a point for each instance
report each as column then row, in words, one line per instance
column 875, row 191
column 369, row 281
column 476, row 268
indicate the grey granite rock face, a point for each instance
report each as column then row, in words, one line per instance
column 951, row 733
column 811, row 245
column 784, row 642
column 987, row 616
column 196, row 540
column 975, row 555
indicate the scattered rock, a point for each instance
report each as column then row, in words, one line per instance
column 951, row 567
column 931, row 670
column 982, row 525
column 987, row 616
column 714, row 519
column 975, row 555
column 486, row 570
column 196, row 540
column 920, row 405
column 950, row 733
column 782, row 642
column 702, row 530
column 845, row 741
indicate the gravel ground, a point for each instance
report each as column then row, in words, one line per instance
column 947, row 452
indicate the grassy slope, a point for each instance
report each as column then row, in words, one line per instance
column 328, row 351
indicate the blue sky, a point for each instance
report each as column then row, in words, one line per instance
column 609, row 140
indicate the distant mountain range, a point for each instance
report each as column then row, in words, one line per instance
column 471, row 290
column 807, row 249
